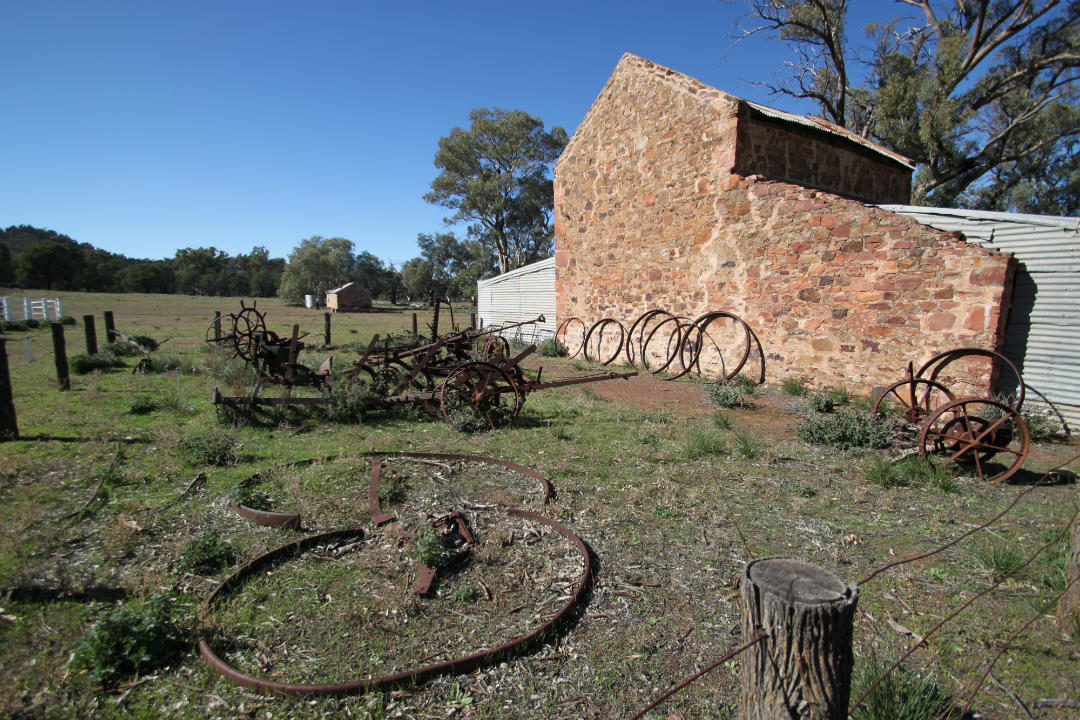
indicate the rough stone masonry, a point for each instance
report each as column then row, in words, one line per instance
column 676, row 195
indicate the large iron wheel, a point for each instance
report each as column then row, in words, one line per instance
column 696, row 340
column 933, row 368
column 218, row 332
column 916, row 398
column 634, row 351
column 674, row 343
column 974, row 432
column 478, row 389
column 563, row 330
column 599, row 328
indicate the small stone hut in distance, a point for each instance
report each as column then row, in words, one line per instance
column 675, row 195
column 348, row 297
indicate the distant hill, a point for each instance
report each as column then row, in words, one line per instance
column 17, row 237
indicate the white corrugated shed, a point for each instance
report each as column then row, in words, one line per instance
column 1043, row 334
column 517, row 296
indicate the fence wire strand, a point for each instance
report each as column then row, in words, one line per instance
column 695, row 676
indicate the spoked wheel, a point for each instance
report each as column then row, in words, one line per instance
column 496, row 347
column 246, row 323
column 985, row 435
column 915, row 397
column 606, row 325
column 938, row 367
column 476, row 391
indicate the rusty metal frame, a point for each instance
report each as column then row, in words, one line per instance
column 462, row 664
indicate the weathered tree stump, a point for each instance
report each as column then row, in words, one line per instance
column 802, row 669
column 1068, row 609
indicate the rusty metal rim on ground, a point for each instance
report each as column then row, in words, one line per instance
column 701, row 326
column 601, row 325
column 465, row 663
column 937, row 363
column 253, row 515
column 975, row 439
column 562, row 329
column 643, row 321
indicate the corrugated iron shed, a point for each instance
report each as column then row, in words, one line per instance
column 1043, row 333
column 517, row 296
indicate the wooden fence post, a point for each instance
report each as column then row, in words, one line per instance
column 472, row 320
column 110, row 327
column 91, row 334
column 60, row 354
column 217, row 327
column 1068, row 609
column 435, row 323
column 326, row 321
column 9, row 427
column 802, row 669
column 414, row 327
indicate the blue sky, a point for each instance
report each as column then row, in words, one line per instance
column 151, row 125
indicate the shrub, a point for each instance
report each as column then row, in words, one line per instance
column 119, row 349
column 732, row 393
column 127, row 641
column 143, row 405
column 83, row 364
column 552, row 347
column 846, row 430
column 67, row 320
column 431, row 550
column 250, row 496
column 465, row 595
column 13, row 326
column 209, row 448
column 821, row 401
column 207, row 554
column 32, row 324
column 1042, row 423
column 348, row 401
column 161, row 364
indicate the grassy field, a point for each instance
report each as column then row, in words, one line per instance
column 115, row 524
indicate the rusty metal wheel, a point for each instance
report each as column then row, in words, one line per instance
column 563, row 330
column 599, row 329
column 497, row 347
column 218, row 333
column 915, row 397
column 633, row 350
column 699, row 345
column 477, row 389
column 974, row 432
column 674, row 343
column 934, row 369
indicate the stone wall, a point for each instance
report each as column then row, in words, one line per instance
column 649, row 214
column 817, row 159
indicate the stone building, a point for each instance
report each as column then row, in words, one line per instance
column 675, row 195
column 349, row 296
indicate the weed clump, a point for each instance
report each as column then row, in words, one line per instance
column 349, row 401
column 552, row 347
column 207, row 554
column 127, row 641
column 1001, row 557
column 701, row 442
column 250, row 496
column 1043, row 425
column 84, row 364
column 901, row 695
column 793, row 386
column 211, row 447
column 846, row 430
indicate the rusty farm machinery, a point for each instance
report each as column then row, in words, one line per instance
column 971, row 428
column 465, row 376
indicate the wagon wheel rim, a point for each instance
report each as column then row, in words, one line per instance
column 600, row 326
column 916, row 404
column 939, row 362
column 561, row 331
column 677, row 332
column 962, row 432
column 479, row 385
column 223, row 336
column 700, row 326
column 640, row 325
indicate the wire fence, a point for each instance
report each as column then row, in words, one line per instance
column 921, row 641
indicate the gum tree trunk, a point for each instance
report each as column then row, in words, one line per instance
column 803, row 668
